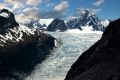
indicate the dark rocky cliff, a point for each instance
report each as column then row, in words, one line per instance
column 21, row 48
column 102, row 60
column 57, row 25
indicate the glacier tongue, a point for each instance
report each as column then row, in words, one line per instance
column 55, row 67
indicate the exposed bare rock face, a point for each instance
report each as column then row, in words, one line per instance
column 21, row 48
column 102, row 60
column 57, row 25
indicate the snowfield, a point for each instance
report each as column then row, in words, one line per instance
column 72, row 45
column 45, row 21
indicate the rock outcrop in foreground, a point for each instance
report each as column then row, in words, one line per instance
column 102, row 60
column 21, row 48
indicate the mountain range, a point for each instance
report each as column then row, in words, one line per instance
column 86, row 22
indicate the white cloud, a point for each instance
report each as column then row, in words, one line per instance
column 17, row 4
column 28, row 14
column 13, row 5
column 21, row 18
column 2, row 5
column 52, row 14
column 25, row 10
column 34, row 2
column 32, row 12
column 93, row 11
column 79, row 10
column 61, row 6
column 98, row 2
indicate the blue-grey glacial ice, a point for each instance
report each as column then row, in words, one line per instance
column 71, row 45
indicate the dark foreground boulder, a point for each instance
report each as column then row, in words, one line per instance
column 102, row 60
column 21, row 49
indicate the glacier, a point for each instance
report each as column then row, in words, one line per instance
column 71, row 45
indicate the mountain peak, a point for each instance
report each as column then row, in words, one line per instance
column 87, row 19
column 85, row 12
column 7, row 21
column 57, row 25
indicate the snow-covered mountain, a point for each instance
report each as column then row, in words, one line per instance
column 41, row 24
column 87, row 21
column 21, row 48
column 33, row 24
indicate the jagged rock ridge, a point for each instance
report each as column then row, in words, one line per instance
column 101, row 61
column 34, row 24
column 21, row 48
column 86, row 21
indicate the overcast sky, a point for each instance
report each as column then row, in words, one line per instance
column 29, row 9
